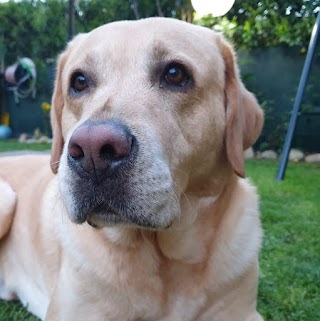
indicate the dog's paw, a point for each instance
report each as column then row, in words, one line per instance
column 5, row 294
column 255, row 317
column 7, row 206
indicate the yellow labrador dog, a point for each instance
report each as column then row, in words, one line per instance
column 146, row 216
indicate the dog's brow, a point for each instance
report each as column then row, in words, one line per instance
column 89, row 59
column 159, row 52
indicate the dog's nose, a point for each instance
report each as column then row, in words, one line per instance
column 100, row 146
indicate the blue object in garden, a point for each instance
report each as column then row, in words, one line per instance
column 5, row 132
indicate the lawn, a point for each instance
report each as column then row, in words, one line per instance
column 10, row 145
column 290, row 260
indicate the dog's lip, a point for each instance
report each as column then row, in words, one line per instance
column 103, row 211
column 97, row 212
column 101, row 216
column 94, row 225
column 79, row 219
column 107, row 218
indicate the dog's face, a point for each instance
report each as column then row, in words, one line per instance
column 143, row 112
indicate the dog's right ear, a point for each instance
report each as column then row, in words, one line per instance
column 244, row 116
column 55, row 116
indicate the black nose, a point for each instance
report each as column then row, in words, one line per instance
column 97, row 147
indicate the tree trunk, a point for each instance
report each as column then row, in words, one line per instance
column 186, row 10
column 160, row 12
column 134, row 7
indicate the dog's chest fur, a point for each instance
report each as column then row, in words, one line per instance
column 150, row 285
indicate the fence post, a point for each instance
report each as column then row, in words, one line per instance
column 298, row 100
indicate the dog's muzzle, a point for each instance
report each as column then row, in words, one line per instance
column 110, row 181
column 101, row 156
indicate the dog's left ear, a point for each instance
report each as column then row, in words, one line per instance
column 55, row 116
column 244, row 117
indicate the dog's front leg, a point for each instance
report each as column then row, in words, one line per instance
column 7, row 206
column 255, row 317
column 68, row 300
column 61, row 302
column 81, row 295
column 72, row 298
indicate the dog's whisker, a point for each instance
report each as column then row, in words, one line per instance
column 182, row 193
column 183, row 172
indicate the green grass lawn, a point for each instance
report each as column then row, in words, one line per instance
column 290, row 260
column 9, row 145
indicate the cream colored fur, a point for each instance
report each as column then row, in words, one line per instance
column 201, row 262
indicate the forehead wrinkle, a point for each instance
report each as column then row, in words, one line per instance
column 89, row 59
column 78, row 61
column 165, row 52
column 159, row 52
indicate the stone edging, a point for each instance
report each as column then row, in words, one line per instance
column 294, row 156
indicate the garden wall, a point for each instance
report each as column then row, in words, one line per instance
column 273, row 74
column 27, row 115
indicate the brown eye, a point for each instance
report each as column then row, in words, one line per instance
column 78, row 82
column 176, row 75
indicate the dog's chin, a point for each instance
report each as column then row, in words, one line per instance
column 109, row 218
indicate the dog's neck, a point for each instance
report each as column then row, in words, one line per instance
column 188, row 240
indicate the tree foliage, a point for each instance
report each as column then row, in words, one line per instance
column 33, row 28
column 38, row 28
column 251, row 24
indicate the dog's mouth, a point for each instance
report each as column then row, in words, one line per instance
column 99, row 220
column 101, row 215
column 106, row 215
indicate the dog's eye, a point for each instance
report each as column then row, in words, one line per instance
column 176, row 75
column 78, row 82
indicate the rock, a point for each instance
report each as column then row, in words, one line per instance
column 43, row 140
column 31, row 141
column 314, row 158
column 269, row 154
column 249, row 153
column 23, row 138
column 296, row 155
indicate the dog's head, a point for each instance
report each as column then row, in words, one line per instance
column 143, row 112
